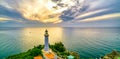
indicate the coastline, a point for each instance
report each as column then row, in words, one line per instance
column 113, row 55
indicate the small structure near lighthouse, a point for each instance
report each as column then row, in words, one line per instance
column 46, row 46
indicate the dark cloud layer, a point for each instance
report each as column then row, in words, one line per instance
column 10, row 13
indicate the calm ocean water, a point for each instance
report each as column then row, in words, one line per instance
column 88, row 42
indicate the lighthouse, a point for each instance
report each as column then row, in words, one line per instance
column 47, row 53
column 46, row 47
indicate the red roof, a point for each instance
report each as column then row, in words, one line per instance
column 38, row 57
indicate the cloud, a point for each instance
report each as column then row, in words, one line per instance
column 9, row 13
column 100, row 4
column 4, row 19
column 97, row 10
column 103, row 17
column 72, row 12
column 57, row 11
column 91, row 13
column 42, row 10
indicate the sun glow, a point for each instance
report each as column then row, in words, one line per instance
column 34, row 36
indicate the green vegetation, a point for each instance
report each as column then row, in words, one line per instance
column 61, row 51
column 29, row 54
column 58, row 48
column 76, row 55
column 113, row 55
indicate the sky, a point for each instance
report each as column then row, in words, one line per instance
column 64, row 13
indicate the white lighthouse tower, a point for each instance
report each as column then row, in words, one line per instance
column 46, row 47
column 47, row 53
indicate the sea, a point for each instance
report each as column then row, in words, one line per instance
column 87, row 42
